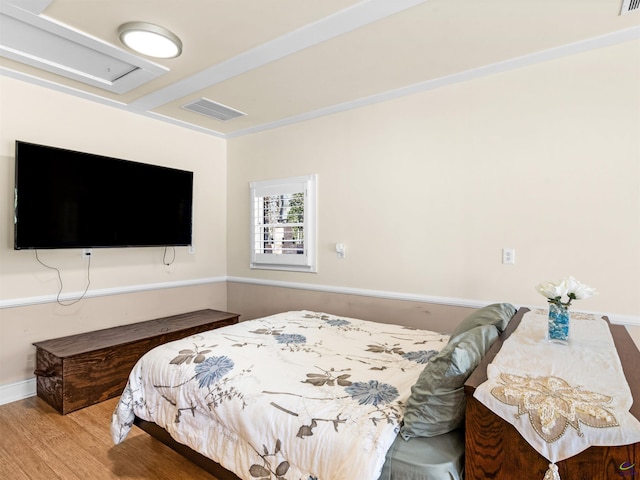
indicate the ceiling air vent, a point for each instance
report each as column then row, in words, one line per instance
column 629, row 6
column 213, row 109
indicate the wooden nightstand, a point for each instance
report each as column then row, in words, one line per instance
column 495, row 449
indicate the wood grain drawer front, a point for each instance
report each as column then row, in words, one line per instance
column 81, row 370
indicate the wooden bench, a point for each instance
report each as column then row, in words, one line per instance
column 80, row 370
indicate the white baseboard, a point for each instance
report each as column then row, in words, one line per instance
column 17, row 391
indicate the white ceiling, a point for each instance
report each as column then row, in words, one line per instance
column 284, row 61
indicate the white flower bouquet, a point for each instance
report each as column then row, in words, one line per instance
column 569, row 287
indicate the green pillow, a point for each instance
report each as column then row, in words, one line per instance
column 436, row 404
column 497, row 314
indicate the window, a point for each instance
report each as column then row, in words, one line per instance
column 283, row 224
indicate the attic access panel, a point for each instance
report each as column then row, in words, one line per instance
column 41, row 42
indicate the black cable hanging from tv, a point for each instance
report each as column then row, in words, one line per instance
column 61, row 283
column 164, row 256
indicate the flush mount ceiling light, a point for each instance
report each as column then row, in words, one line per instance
column 149, row 39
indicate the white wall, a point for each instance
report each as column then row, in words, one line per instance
column 425, row 190
column 39, row 115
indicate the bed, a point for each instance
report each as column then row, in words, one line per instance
column 312, row 396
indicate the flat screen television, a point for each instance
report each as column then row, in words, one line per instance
column 69, row 199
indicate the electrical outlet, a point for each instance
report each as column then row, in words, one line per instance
column 86, row 253
column 508, row 256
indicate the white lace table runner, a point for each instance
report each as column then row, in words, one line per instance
column 561, row 398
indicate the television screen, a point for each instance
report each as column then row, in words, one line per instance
column 67, row 199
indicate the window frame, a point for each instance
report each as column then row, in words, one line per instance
column 305, row 262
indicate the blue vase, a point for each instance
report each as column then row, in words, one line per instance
column 558, row 324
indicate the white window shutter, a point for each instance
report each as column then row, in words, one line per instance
column 283, row 224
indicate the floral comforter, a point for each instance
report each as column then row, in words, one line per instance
column 295, row 396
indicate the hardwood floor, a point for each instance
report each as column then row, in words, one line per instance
column 37, row 443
